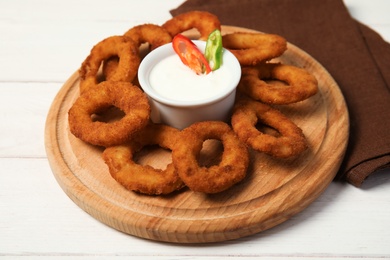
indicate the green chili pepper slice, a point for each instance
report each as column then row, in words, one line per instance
column 213, row 51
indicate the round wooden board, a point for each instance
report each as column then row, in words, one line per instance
column 273, row 191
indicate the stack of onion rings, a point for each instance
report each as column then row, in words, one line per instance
column 144, row 178
column 216, row 178
column 300, row 83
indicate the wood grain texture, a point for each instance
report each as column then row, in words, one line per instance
column 273, row 191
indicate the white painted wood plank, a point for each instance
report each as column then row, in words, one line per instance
column 44, row 221
column 373, row 13
column 23, row 111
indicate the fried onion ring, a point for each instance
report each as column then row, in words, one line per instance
column 300, row 83
column 119, row 46
column 246, row 116
column 253, row 48
column 216, row 178
column 144, row 178
column 204, row 22
column 152, row 34
column 123, row 95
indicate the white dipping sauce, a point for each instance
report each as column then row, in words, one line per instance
column 171, row 79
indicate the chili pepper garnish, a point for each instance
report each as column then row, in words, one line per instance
column 190, row 55
column 213, row 52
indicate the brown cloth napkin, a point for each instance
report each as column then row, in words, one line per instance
column 357, row 58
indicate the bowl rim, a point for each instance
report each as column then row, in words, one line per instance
column 167, row 50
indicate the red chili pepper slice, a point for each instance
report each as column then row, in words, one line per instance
column 190, row 55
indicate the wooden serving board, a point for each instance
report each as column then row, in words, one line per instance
column 273, row 191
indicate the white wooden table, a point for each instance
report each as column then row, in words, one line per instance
column 42, row 44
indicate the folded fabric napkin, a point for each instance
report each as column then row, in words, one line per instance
column 357, row 58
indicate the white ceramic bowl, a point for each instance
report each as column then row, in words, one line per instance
column 181, row 114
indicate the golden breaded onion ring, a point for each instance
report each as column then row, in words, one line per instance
column 204, row 22
column 253, row 48
column 300, row 83
column 123, row 95
column 144, row 178
column 216, row 178
column 248, row 114
column 119, row 46
column 152, row 34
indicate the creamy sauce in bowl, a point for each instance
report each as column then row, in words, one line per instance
column 171, row 79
